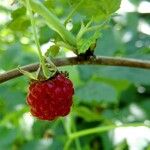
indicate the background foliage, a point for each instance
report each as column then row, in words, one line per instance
column 103, row 95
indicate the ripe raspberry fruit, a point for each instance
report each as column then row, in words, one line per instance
column 51, row 98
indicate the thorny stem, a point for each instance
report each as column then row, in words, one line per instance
column 99, row 60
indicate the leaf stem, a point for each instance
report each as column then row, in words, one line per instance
column 53, row 22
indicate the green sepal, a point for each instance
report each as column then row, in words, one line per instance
column 47, row 69
column 40, row 75
column 28, row 74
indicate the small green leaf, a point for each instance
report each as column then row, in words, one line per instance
column 52, row 51
column 19, row 24
column 18, row 12
column 85, row 43
column 45, row 74
column 45, row 34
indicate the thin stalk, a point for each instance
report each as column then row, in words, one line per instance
column 42, row 61
column 91, row 131
column 67, row 145
column 100, row 130
column 67, row 127
column 53, row 22
column 77, row 141
column 98, row 60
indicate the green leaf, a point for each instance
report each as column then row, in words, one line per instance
column 87, row 114
column 52, row 51
column 39, row 128
column 7, row 137
column 19, row 21
column 13, row 117
column 19, row 24
column 137, row 76
column 132, row 75
column 84, row 43
column 14, row 98
column 28, row 74
column 107, row 44
column 18, row 55
column 98, row 9
column 43, row 144
column 45, row 34
column 96, row 93
column 18, row 13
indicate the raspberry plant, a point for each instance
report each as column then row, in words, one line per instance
column 103, row 96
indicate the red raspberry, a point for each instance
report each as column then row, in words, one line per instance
column 51, row 98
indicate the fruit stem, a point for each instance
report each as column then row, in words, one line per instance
column 77, row 141
column 42, row 60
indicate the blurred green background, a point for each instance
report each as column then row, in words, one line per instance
column 103, row 95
